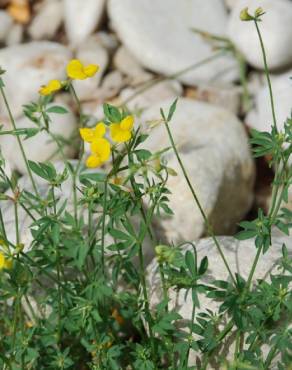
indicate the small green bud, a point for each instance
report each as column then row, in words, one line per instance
column 171, row 171
column 245, row 16
column 259, row 12
column 165, row 253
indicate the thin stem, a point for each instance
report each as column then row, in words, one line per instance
column 17, row 237
column 209, row 228
column 148, row 84
column 81, row 153
column 59, row 332
column 267, row 74
column 147, row 220
column 278, row 174
column 103, row 225
column 191, row 333
column 18, row 138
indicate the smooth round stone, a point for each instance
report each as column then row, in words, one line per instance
column 40, row 147
column 240, row 256
column 126, row 63
column 137, row 99
column 47, row 21
column 28, row 66
column 81, row 18
column 161, row 39
column 231, row 3
column 276, row 30
column 214, row 148
column 15, row 34
column 5, row 24
column 260, row 118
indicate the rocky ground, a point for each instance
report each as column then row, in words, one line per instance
column 149, row 55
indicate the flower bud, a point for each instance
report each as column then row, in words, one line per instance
column 245, row 16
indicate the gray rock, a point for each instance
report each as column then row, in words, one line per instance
column 214, row 149
column 139, row 99
column 47, row 20
column 260, row 117
column 5, row 24
column 81, row 18
column 231, row 3
column 39, row 147
column 111, row 85
column 275, row 28
column 224, row 95
column 15, row 34
column 161, row 40
column 240, row 256
column 28, row 66
column 125, row 62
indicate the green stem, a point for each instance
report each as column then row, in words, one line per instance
column 148, row 84
column 147, row 220
column 276, row 183
column 103, row 226
column 267, row 74
column 59, row 332
column 17, row 237
column 18, row 138
column 191, row 334
column 209, row 228
column 81, row 153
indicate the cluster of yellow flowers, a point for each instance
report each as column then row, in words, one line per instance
column 100, row 147
column 75, row 71
column 4, row 262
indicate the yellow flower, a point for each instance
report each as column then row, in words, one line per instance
column 77, row 71
column 4, row 262
column 121, row 132
column 51, row 87
column 91, row 134
column 101, row 151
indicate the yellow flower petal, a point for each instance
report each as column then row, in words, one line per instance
column 4, row 262
column 91, row 70
column 99, row 130
column 54, row 85
column 119, row 135
column 127, row 123
column 87, row 134
column 44, row 90
column 51, row 87
column 93, row 161
column 75, row 70
column 101, row 148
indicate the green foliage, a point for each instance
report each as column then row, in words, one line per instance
column 77, row 297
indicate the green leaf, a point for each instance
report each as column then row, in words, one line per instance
column 142, row 154
column 36, row 168
column 44, row 170
column 112, row 113
column 203, row 266
column 172, row 110
column 246, row 234
column 57, row 109
column 97, row 177
column 190, row 262
column 120, row 235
